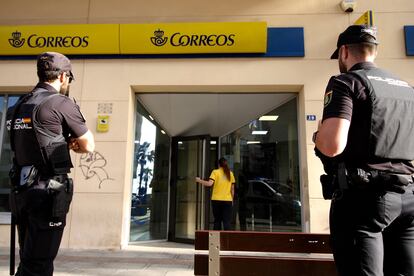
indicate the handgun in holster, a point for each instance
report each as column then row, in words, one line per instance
column 61, row 190
column 379, row 180
column 330, row 180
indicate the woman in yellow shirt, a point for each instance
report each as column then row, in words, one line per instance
column 222, row 180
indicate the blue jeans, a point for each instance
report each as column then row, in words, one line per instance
column 372, row 232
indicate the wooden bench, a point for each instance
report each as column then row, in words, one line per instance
column 236, row 253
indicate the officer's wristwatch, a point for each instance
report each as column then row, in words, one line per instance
column 314, row 136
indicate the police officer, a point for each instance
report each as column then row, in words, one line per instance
column 44, row 125
column 365, row 141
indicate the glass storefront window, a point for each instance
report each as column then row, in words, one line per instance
column 149, row 203
column 6, row 101
column 264, row 157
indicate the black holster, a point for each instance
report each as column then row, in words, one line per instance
column 328, row 185
column 329, row 180
column 61, row 190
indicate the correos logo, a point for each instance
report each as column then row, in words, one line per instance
column 158, row 39
column 35, row 41
column 16, row 41
column 183, row 40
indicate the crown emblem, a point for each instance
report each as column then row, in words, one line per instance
column 16, row 41
column 158, row 39
column 159, row 33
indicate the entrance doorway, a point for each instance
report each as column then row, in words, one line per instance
column 256, row 132
column 189, row 202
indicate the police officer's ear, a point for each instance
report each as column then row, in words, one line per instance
column 343, row 52
column 62, row 77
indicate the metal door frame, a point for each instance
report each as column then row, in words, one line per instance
column 202, row 165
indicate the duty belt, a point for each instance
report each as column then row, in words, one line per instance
column 374, row 179
column 61, row 177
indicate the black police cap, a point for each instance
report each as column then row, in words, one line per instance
column 53, row 61
column 356, row 34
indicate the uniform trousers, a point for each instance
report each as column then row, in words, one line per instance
column 39, row 234
column 222, row 214
column 372, row 232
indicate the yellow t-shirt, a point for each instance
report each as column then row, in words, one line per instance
column 222, row 186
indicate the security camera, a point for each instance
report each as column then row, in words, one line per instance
column 348, row 5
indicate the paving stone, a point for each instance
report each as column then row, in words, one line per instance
column 153, row 259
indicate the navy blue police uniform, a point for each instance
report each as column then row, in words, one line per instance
column 372, row 208
column 40, row 125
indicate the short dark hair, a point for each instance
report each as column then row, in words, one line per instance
column 51, row 64
column 48, row 76
column 362, row 50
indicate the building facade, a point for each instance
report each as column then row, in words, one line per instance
column 160, row 119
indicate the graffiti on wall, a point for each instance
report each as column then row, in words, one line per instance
column 93, row 165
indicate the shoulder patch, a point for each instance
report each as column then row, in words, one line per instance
column 327, row 99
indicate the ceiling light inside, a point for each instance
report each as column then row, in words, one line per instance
column 253, row 142
column 268, row 118
column 259, row 132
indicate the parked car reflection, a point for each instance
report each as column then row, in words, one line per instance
column 140, row 204
column 269, row 201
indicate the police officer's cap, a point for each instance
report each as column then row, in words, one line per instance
column 356, row 34
column 53, row 61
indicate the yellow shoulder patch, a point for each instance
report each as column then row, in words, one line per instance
column 328, row 97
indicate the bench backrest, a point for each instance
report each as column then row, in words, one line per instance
column 259, row 253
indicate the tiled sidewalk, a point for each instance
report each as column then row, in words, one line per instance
column 149, row 259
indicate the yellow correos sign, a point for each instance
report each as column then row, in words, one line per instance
column 140, row 39
column 194, row 38
column 67, row 39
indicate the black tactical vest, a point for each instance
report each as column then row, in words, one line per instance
column 392, row 120
column 31, row 142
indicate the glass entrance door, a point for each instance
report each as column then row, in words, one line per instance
column 189, row 204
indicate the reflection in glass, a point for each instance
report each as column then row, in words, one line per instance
column 186, row 199
column 264, row 157
column 6, row 155
column 150, row 180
